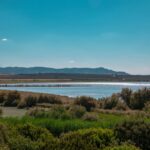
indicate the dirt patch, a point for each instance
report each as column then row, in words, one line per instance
column 12, row 112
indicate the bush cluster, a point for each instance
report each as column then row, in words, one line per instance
column 31, row 137
column 14, row 99
column 87, row 102
column 87, row 139
column 26, row 137
column 58, row 112
column 31, row 101
column 126, row 99
column 135, row 131
column 9, row 99
column 122, row 147
column 52, row 99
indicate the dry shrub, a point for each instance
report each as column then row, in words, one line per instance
column 52, row 99
column 77, row 111
column 2, row 97
column 90, row 117
column 1, row 112
column 12, row 99
column 121, row 106
column 31, row 101
column 111, row 102
column 87, row 102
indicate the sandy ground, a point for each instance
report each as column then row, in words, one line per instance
column 13, row 112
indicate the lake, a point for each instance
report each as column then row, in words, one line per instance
column 72, row 89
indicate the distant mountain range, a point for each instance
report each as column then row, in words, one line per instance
column 41, row 70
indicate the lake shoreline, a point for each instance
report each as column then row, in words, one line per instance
column 74, row 89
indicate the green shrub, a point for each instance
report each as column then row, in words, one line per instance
column 111, row 102
column 4, row 147
column 126, row 95
column 59, row 112
column 87, row 139
column 12, row 99
column 122, row 147
column 77, row 111
column 3, row 134
column 26, row 137
column 34, row 133
column 87, row 102
column 38, row 113
column 135, row 131
column 139, row 98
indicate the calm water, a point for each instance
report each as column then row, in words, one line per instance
column 94, row 89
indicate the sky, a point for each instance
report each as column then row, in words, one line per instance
column 76, row 33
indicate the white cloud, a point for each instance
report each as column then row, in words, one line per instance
column 72, row 61
column 4, row 40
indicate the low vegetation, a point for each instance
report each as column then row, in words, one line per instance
column 118, row 122
column 127, row 99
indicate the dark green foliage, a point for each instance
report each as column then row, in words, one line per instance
column 34, row 133
column 87, row 139
column 132, row 100
column 29, row 137
column 26, row 137
column 122, row 147
column 4, row 147
column 12, row 99
column 111, row 102
column 135, row 131
column 139, row 98
column 87, row 102
column 126, row 95
column 2, row 97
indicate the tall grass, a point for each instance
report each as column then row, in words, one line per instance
column 59, row 126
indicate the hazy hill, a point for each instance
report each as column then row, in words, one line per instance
column 37, row 70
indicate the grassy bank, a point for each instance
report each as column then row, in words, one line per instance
column 37, row 121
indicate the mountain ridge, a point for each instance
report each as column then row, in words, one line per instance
column 74, row 70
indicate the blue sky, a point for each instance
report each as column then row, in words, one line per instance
column 76, row 33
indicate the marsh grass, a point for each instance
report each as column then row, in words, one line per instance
column 59, row 126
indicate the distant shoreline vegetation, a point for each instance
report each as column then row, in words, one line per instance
column 127, row 99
